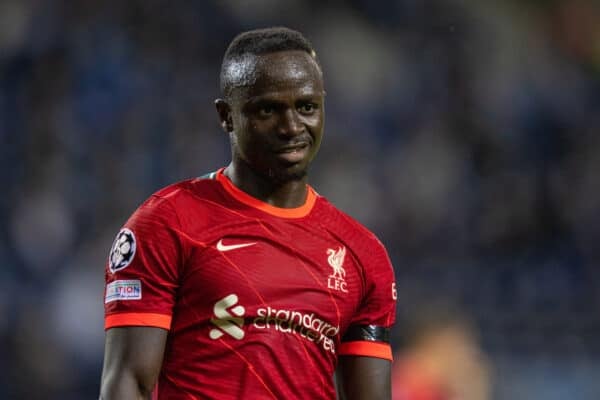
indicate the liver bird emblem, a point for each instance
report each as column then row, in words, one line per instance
column 336, row 260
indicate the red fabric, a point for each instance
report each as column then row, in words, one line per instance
column 137, row 319
column 366, row 348
column 255, row 322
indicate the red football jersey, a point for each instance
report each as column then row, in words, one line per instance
column 257, row 299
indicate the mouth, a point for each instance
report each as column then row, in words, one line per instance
column 290, row 148
column 293, row 153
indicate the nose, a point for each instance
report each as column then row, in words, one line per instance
column 290, row 124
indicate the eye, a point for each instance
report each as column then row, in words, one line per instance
column 307, row 108
column 266, row 110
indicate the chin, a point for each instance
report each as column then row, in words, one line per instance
column 284, row 175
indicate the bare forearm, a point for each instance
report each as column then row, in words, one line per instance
column 364, row 390
column 363, row 378
column 132, row 361
column 124, row 386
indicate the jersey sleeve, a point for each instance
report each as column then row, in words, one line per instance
column 142, row 270
column 369, row 330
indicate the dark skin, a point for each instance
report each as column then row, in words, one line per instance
column 132, row 360
column 275, row 125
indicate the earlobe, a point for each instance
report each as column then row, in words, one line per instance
column 228, row 123
column 224, row 112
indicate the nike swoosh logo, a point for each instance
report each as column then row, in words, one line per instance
column 223, row 247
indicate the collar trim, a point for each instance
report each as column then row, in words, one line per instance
column 243, row 197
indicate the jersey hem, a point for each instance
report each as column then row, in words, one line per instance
column 138, row 319
column 367, row 349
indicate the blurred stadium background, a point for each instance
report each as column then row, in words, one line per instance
column 466, row 133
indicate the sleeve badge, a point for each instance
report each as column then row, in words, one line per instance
column 122, row 250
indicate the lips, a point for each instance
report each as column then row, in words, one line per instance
column 290, row 148
column 293, row 153
column 296, row 144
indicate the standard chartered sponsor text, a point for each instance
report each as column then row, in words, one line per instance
column 306, row 325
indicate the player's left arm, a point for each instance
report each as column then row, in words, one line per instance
column 365, row 353
column 362, row 378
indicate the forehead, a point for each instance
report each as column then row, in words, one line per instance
column 276, row 73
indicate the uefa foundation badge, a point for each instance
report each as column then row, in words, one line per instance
column 122, row 250
column 123, row 290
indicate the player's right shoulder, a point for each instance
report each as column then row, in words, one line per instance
column 200, row 187
column 191, row 197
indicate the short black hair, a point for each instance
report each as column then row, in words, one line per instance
column 262, row 41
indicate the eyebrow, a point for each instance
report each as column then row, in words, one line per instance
column 275, row 99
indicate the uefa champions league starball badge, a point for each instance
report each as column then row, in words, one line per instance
column 122, row 250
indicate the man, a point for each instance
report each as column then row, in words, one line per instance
column 245, row 283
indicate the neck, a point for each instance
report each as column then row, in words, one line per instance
column 279, row 193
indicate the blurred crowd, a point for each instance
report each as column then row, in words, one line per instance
column 465, row 133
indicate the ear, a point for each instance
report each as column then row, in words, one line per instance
column 224, row 111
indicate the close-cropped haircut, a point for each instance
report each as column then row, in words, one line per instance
column 258, row 42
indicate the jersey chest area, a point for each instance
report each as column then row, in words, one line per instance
column 284, row 271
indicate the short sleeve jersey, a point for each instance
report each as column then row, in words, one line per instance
column 259, row 301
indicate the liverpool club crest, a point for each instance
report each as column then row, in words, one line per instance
column 336, row 280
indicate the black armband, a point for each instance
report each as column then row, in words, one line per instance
column 371, row 333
